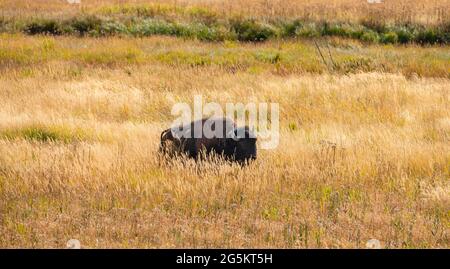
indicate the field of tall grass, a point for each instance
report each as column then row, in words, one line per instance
column 364, row 132
column 403, row 22
column 424, row 12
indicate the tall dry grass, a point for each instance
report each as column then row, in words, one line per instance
column 399, row 11
column 361, row 156
column 27, row 55
column 364, row 150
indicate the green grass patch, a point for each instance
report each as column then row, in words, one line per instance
column 47, row 133
column 203, row 24
column 287, row 57
column 184, row 58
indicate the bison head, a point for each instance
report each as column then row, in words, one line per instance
column 244, row 144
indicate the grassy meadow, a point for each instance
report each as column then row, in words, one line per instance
column 423, row 12
column 399, row 22
column 364, row 136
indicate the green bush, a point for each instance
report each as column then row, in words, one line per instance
column 202, row 24
column 184, row 30
column 46, row 27
column 446, row 37
column 112, row 28
column 404, row 35
column 153, row 27
column 250, row 30
column 308, row 30
column 444, row 32
column 84, row 25
column 389, row 38
column 289, row 28
column 200, row 31
column 429, row 36
column 206, row 33
column 370, row 36
column 343, row 30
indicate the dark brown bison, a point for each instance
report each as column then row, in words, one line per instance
column 235, row 144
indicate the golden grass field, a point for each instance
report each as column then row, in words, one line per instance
column 364, row 150
column 424, row 12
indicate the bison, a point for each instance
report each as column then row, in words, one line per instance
column 231, row 142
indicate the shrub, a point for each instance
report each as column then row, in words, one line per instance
column 153, row 27
column 445, row 29
column 112, row 28
column 46, row 27
column 370, row 36
column 206, row 33
column 404, row 35
column 308, row 30
column 357, row 32
column 444, row 32
column 389, row 38
column 184, row 30
column 202, row 25
column 289, row 29
column 428, row 36
column 446, row 37
column 343, row 30
column 194, row 30
column 250, row 30
column 84, row 25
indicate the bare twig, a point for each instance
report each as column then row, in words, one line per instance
column 331, row 57
column 321, row 55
